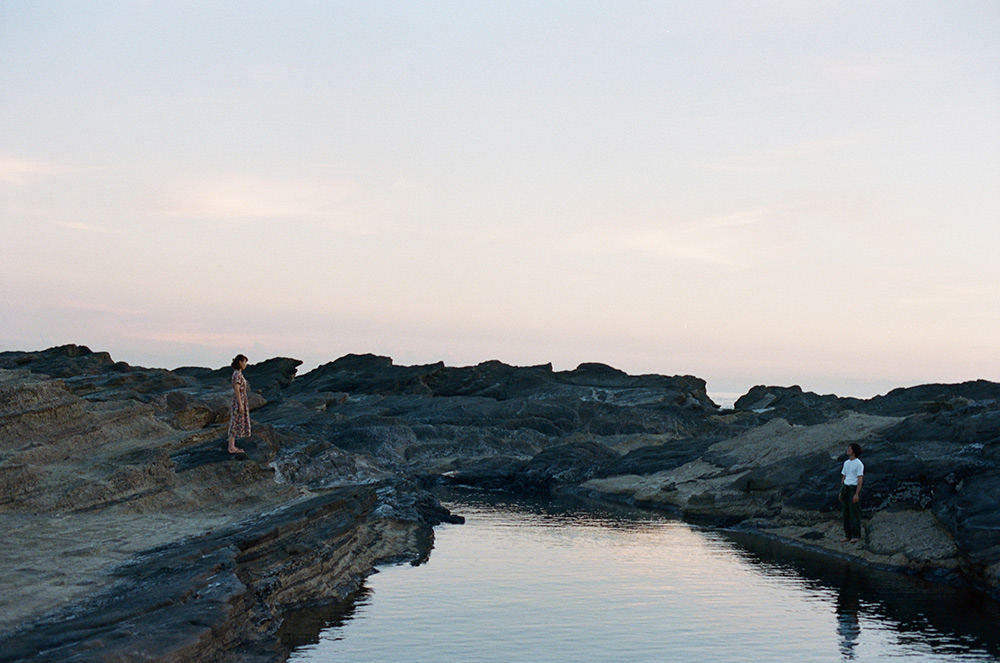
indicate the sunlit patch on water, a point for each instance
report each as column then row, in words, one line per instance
column 543, row 581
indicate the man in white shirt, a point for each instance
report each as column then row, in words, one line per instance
column 852, row 476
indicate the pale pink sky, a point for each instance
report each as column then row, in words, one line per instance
column 778, row 192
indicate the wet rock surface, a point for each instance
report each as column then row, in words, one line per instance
column 132, row 533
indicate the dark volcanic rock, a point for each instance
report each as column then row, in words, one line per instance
column 568, row 463
column 491, row 379
column 947, row 461
column 65, row 361
column 794, row 405
column 435, row 418
column 367, row 374
column 971, row 511
column 494, row 473
column 560, row 465
column 806, row 407
column 653, row 459
column 804, row 481
column 271, row 377
column 932, row 398
column 370, row 374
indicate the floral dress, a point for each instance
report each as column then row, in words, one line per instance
column 239, row 411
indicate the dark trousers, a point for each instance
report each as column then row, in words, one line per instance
column 852, row 512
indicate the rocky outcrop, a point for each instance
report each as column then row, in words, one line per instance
column 371, row 374
column 931, row 492
column 197, row 598
column 167, row 548
column 804, row 407
column 131, row 535
column 794, row 405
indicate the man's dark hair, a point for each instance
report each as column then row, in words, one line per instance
column 856, row 448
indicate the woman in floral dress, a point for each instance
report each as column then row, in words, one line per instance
column 239, row 412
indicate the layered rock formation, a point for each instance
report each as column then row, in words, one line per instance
column 131, row 532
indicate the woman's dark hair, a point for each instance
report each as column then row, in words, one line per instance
column 856, row 448
column 237, row 359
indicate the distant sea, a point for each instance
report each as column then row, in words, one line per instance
column 724, row 399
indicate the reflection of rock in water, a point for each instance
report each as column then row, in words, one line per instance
column 958, row 616
column 303, row 626
column 848, row 626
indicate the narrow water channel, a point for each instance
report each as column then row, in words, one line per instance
column 558, row 581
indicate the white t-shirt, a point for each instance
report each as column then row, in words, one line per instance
column 852, row 470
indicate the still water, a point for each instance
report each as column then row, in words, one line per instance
column 529, row 581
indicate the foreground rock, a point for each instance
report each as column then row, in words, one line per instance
column 131, row 535
column 130, row 532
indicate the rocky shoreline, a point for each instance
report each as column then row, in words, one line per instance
column 132, row 535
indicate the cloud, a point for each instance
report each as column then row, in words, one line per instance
column 22, row 171
column 765, row 159
column 741, row 218
column 248, row 196
column 669, row 245
column 199, row 338
column 84, row 227
column 97, row 307
column 731, row 240
column 686, row 245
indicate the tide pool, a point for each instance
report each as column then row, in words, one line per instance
column 559, row 581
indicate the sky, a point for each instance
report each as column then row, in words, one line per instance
column 756, row 192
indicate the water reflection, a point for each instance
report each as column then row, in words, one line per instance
column 565, row 581
column 848, row 625
column 928, row 616
column 303, row 626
